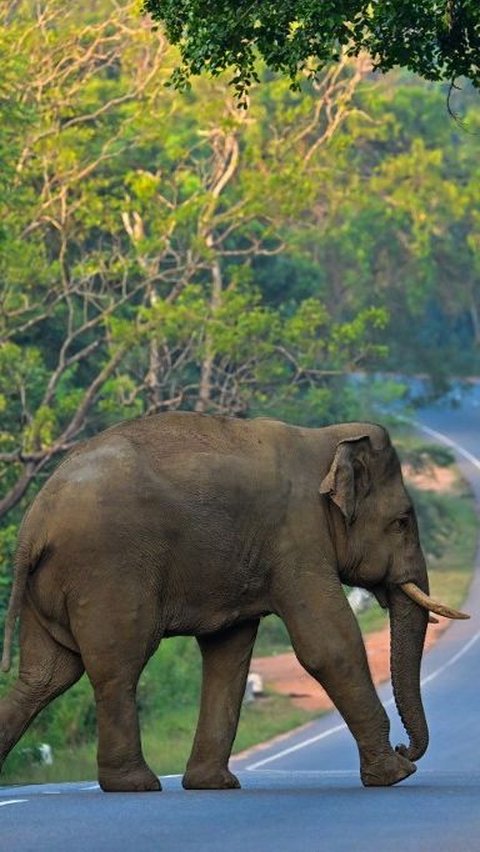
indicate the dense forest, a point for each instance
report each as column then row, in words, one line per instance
column 162, row 250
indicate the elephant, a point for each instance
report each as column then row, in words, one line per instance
column 184, row 523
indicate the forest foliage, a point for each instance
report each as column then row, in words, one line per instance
column 162, row 251
column 438, row 40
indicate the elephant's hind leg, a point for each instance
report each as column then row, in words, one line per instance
column 46, row 670
column 116, row 638
column 226, row 659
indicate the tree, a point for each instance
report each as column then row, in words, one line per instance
column 58, row 288
column 130, row 224
column 438, row 40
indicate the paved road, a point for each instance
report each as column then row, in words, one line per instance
column 302, row 793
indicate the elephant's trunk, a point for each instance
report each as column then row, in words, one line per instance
column 408, row 625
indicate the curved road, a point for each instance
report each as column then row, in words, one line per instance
column 303, row 792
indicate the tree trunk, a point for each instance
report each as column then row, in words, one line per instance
column 205, row 389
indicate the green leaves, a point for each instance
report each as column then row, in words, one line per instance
column 40, row 432
column 174, row 323
column 440, row 41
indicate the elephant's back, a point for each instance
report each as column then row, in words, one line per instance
column 85, row 488
column 96, row 467
column 187, row 432
column 173, row 466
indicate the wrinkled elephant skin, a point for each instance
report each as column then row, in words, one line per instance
column 190, row 524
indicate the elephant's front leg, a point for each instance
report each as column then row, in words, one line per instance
column 328, row 643
column 226, row 659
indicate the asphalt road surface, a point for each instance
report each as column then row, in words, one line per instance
column 303, row 792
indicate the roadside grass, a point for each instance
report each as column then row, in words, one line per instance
column 272, row 637
column 74, row 764
column 168, row 692
column 451, row 573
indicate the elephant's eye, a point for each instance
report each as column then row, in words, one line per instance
column 400, row 524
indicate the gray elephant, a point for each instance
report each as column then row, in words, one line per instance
column 198, row 525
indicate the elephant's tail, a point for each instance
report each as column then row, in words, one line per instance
column 25, row 561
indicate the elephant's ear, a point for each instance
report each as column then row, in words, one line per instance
column 348, row 480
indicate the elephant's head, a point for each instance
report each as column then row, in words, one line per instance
column 378, row 548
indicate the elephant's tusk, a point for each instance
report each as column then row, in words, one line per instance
column 416, row 594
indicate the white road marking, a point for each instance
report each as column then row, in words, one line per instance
column 444, row 439
column 51, row 792
column 339, row 772
column 452, row 660
column 12, row 802
column 298, row 746
column 330, row 731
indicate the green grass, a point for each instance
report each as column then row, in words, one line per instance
column 373, row 619
column 76, row 764
column 272, row 637
column 451, row 573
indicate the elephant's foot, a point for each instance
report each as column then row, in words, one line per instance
column 141, row 780
column 386, row 770
column 209, row 778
